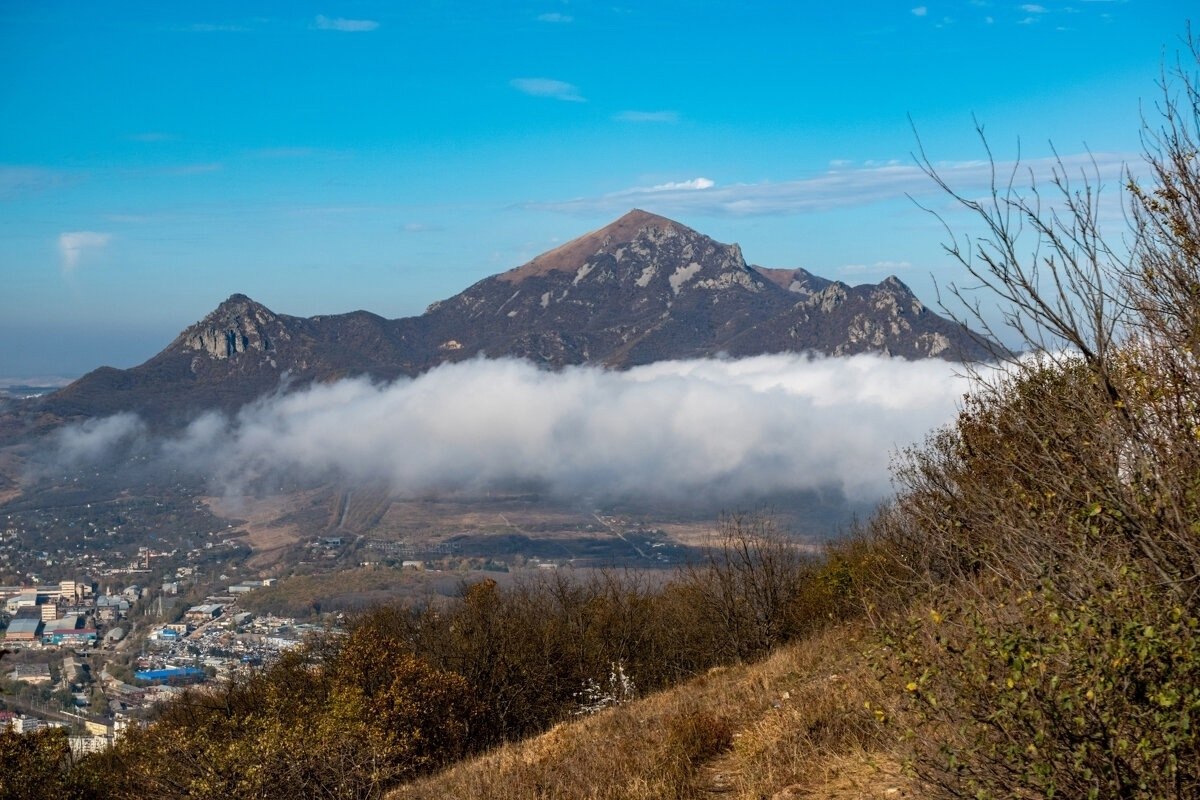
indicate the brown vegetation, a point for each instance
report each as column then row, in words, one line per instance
column 742, row 731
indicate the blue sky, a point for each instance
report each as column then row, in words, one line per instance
column 158, row 157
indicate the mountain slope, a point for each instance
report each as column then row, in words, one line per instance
column 642, row 289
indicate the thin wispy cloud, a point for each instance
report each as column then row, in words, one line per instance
column 548, row 87
column 556, row 17
column 837, row 188
column 74, row 245
column 19, row 181
column 648, row 116
column 920, row 11
column 324, row 23
column 420, row 227
column 1033, row 8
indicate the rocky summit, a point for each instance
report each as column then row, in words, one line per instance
column 642, row 289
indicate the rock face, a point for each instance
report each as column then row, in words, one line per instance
column 239, row 325
column 642, row 289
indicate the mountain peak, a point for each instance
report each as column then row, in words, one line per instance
column 575, row 253
column 236, row 325
column 237, row 302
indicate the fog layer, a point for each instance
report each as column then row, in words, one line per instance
column 729, row 429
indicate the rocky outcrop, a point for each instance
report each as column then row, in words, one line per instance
column 236, row 326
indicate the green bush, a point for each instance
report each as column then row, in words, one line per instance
column 1032, row 695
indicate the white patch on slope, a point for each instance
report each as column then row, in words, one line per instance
column 582, row 273
column 682, row 275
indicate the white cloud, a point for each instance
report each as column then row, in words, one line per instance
column 554, row 16
column 94, row 439
column 920, row 11
column 836, row 188
column 648, row 116
column 419, row 227
column 693, row 184
column 324, row 23
column 1033, row 8
column 548, row 87
column 74, row 244
column 729, row 429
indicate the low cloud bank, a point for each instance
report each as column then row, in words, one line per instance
column 721, row 429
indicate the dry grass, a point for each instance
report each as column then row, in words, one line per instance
column 795, row 725
column 266, row 534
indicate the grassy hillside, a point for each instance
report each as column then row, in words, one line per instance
column 798, row 724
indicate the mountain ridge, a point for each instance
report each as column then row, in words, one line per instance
column 643, row 288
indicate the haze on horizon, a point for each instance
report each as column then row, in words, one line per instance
column 324, row 158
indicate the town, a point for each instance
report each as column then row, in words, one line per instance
column 96, row 658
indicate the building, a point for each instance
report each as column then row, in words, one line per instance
column 111, row 607
column 172, row 676
column 68, row 631
column 86, row 745
column 165, row 634
column 24, row 599
column 31, row 673
column 23, row 629
column 205, row 612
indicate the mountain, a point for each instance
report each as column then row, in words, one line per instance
column 642, row 289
